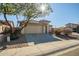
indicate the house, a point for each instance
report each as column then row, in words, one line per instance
column 3, row 25
column 34, row 26
column 71, row 25
column 75, row 27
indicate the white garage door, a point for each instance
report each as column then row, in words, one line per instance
column 33, row 29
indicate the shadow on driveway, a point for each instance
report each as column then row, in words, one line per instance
column 40, row 38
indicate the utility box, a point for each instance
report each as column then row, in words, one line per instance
column 8, row 38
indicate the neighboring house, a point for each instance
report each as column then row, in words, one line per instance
column 34, row 26
column 3, row 25
column 71, row 25
column 75, row 27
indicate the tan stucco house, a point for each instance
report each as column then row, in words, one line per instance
column 3, row 25
column 34, row 26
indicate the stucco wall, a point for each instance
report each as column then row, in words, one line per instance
column 0, row 29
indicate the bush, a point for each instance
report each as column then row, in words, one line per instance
column 67, row 31
column 58, row 31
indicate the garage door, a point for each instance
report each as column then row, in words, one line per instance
column 33, row 29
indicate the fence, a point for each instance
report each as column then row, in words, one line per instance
column 3, row 40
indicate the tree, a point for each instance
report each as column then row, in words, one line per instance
column 7, row 9
column 32, row 10
column 28, row 10
column 58, row 31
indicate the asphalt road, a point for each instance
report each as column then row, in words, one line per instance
column 72, row 53
column 68, row 52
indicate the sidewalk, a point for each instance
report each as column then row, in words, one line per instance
column 40, row 49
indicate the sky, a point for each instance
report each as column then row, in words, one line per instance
column 62, row 14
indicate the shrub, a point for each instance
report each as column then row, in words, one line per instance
column 67, row 31
column 58, row 31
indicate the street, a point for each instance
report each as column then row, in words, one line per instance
column 74, row 51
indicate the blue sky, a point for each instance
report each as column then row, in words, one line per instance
column 63, row 13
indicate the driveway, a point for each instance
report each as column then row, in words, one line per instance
column 40, row 38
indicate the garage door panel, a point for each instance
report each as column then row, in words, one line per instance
column 33, row 29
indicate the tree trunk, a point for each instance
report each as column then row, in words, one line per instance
column 25, row 24
column 8, row 22
column 6, row 18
